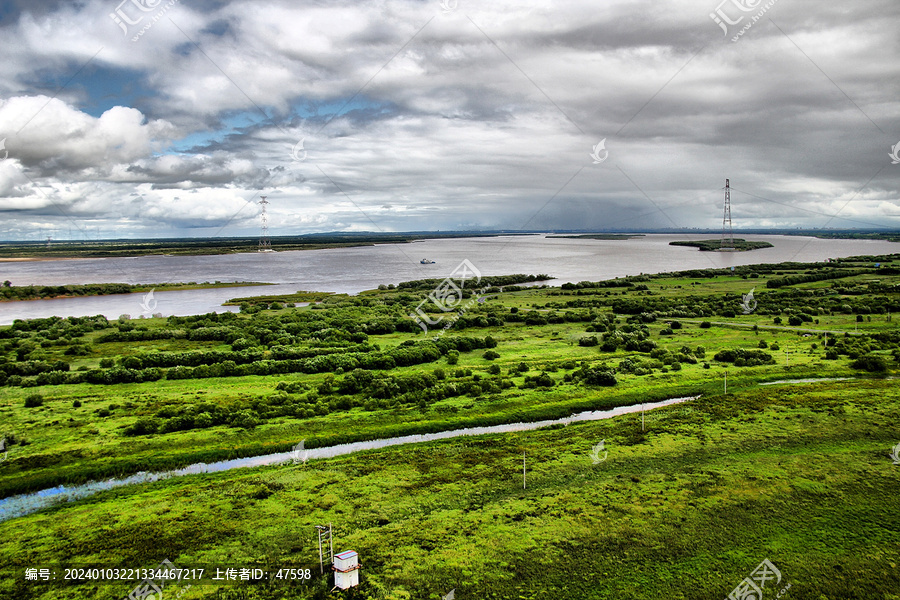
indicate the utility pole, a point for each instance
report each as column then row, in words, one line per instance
column 523, row 469
column 325, row 533
column 726, row 381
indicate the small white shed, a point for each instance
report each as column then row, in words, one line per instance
column 346, row 569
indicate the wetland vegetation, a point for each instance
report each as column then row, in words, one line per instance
column 683, row 507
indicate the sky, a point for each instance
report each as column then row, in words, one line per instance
column 171, row 118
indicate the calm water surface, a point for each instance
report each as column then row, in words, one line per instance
column 351, row 270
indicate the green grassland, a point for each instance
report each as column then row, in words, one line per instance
column 795, row 472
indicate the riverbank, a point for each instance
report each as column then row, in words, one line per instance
column 279, row 374
column 90, row 399
column 689, row 506
column 26, row 293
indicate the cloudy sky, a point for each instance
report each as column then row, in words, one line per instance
column 169, row 118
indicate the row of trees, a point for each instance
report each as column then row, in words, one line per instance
column 778, row 282
column 33, row 292
column 407, row 354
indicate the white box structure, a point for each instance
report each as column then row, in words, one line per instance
column 346, row 569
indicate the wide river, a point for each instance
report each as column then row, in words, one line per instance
column 351, row 270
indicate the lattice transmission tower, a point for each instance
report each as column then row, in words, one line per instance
column 727, row 233
column 264, row 244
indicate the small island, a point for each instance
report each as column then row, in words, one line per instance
column 739, row 245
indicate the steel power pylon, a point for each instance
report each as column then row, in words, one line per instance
column 727, row 233
column 264, row 244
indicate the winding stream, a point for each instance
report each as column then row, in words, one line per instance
column 24, row 504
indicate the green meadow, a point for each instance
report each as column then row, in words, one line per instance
column 686, row 505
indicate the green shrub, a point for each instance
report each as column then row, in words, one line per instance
column 143, row 426
column 872, row 363
column 34, row 400
column 247, row 420
column 741, row 357
column 542, row 380
column 598, row 376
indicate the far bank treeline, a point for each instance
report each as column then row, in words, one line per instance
column 11, row 293
column 233, row 245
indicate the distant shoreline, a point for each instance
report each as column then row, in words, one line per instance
column 70, row 250
column 33, row 292
column 12, row 252
column 39, row 259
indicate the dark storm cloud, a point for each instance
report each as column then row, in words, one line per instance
column 485, row 116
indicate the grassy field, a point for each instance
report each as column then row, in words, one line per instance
column 798, row 473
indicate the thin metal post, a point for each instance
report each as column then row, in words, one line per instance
column 726, row 381
column 322, row 529
column 523, row 469
column 321, row 565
